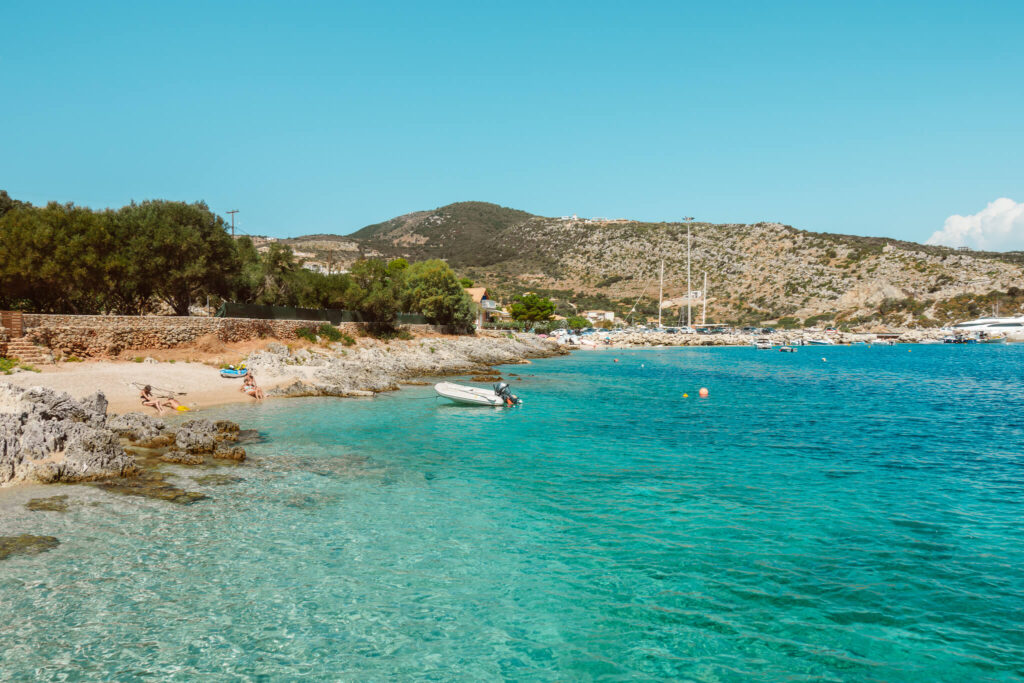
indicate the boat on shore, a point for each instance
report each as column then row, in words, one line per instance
column 499, row 396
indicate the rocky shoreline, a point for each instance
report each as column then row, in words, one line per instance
column 364, row 370
column 48, row 436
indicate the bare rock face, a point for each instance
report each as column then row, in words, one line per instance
column 868, row 294
column 136, row 426
column 47, row 436
column 196, row 436
column 92, row 453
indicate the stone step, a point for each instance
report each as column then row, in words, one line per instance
column 27, row 352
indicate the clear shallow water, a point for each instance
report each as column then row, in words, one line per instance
column 855, row 519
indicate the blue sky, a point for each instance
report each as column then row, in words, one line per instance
column 880, row 118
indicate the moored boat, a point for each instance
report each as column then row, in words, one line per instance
column 500, row 395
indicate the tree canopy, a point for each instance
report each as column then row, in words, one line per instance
column 435, row 291
column 532, row 308
column 63, row 258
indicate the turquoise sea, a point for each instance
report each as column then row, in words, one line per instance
column 835, row 514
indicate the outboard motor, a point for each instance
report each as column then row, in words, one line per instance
column 505, row 393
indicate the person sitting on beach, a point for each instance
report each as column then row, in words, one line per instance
column 159, row 403
column 249, row 386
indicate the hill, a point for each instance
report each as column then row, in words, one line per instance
column 762, row 271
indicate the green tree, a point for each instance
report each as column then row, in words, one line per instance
column 374, row 293
column 57, row 259
column 248, row 280
column 433, row 290
column 9, row 204
column 466, row 283
column 181, row 250
column 533, row 308
column 576, row 322
column 278, row 285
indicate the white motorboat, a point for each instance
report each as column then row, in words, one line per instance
column 1013, row 325
column 763, row 344
column 477, row 396
column 819, row 342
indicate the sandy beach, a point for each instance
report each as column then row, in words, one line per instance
column 201, row 384
column 296, row 369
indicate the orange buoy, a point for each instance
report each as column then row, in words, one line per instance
column 703, row 393
column 616, row 360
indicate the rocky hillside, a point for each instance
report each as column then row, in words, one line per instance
column 764, row 271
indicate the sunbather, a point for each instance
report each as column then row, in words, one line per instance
column 157, row 402
column 249, row 386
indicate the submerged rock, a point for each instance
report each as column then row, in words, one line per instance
column 183, row 458
column 236, row 453
column 216, row 479
column 150, row 485
column 52, row 504
column 26, row 544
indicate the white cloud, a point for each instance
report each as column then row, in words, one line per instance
column 997, row 227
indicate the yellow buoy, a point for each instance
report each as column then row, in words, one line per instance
column 686, row 396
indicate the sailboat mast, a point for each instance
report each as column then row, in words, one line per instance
column 689, row 319
column 704, row 301
column 661, row 290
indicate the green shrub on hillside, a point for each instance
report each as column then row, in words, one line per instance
column 815, row 320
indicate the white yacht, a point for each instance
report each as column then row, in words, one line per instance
column 1013, row 325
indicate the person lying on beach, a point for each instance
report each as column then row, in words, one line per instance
column 158, row 402
column 249, row 386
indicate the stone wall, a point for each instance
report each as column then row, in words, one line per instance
column 92, row 336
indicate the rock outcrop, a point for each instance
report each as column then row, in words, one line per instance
column 47, row 436
column 364, row 370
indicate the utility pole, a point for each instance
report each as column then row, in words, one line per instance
column 232, row 212
column 689, row 317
